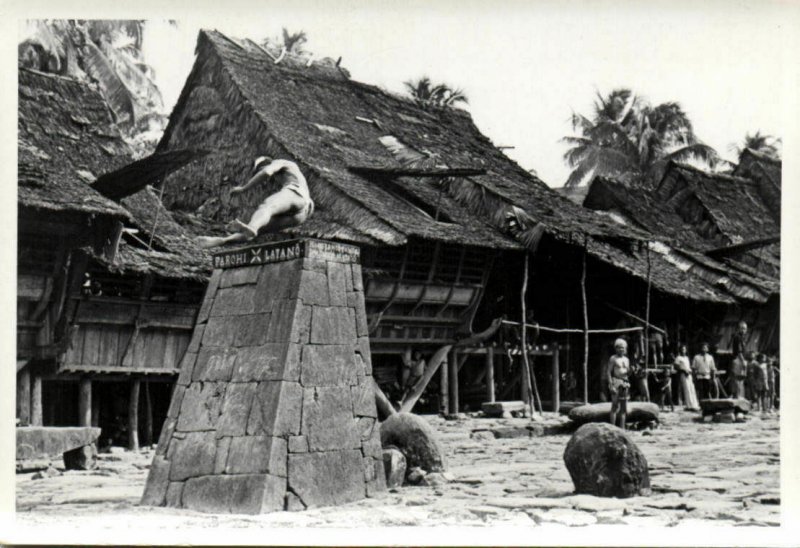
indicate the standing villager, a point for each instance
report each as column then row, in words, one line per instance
column 290, row 206
column 665, row 388
column 413, row 369
column 687, row 386
column 738, row 372
column 750, row 378
column 774, row 383
column 761, row 383
column 705, row 372
column 617, row 373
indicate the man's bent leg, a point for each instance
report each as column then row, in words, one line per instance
column 282, row 202
column 207, row 242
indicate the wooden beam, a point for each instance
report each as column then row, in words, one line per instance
column 36, row 400
column 444, row 385
column 85, row 402
column 585, row 326
column 385, row 407
column 24, row 397
column 453, row 362
column 527, row 390
column 133, row 415
column 148, row 415
column 556, row 387
column 490, row 374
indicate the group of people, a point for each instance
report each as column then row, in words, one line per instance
column 753, row 376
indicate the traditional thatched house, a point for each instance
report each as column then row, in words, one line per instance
column 107, row 292
column 766, row 172
column 716, row 229
column 431, row 201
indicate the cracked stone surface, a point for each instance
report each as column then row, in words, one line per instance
column 708, row 474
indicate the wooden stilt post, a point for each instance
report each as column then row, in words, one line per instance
column 585, row 327
column 527, row 390
column 24, row 397
column 36, row 400
column 133, row 416
column 454, row 381
column 96, row 409
column 85, row 402
column 444, row 403
column 556, row 382
column 647, row 315
column 148, row 415
column 490, row 374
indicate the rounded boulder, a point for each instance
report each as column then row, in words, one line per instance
column 415, row 438
column 603, row 460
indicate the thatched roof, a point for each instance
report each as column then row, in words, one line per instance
column 172, row 253
column 686, row 268
column 66, row 138
column 733, row 204
column 329, row 124
column 766, row 171
column 71, row 154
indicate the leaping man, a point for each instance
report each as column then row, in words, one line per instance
column 290, row 206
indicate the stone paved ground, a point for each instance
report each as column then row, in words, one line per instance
column 722, row 474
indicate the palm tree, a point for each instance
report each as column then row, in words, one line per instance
column 109, row 53
column 632, row 141
column 427, row 94
column 768, row 145
column 294, row 41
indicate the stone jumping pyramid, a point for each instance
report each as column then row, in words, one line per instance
column 274, row 407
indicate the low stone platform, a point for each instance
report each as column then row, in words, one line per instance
column 712, row 406
column 47, row 442
column 502, row 409
column 274, row 407
column 599, row 412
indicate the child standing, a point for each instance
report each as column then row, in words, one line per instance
column 761, row 383
column 665, row 387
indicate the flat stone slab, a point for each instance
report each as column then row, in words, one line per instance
column 599, row 412
column 498, row 408
column 39, row 442
column 712, row 406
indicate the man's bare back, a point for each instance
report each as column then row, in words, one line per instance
column 289, row 206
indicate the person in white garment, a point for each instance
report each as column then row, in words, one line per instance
column 687, row 386
column 289, row 206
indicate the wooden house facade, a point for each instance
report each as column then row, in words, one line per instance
column 108, row 287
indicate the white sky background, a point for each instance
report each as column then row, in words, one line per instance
column 525, row 67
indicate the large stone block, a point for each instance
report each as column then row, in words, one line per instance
column 257, row 454
column 276, row 409
column 208, row 300
column 240, row 276
column 261, row 363
column 240, row 494
column 337, row 284
column 599, row 412
column 328, row 420
column 192, row 456
column 332, row 325
column 233, row 301
column 328, row 365
column 214, row 364
column 253, row 330
column 220, row 331
column 327, row 478
column 313, row 288
column 155, row 491
column 201, row 406
column 364, row 400
column 236, row 409
column 39, row 442
column 188, row 362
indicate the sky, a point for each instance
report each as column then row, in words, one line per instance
column 526, row 66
